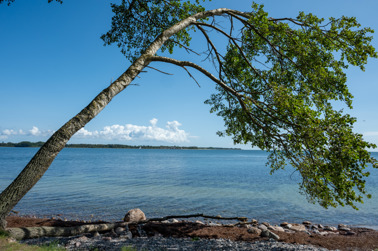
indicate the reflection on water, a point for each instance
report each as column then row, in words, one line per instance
column 108, row 182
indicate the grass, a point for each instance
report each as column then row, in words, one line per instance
column 5, row 245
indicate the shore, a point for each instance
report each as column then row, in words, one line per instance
column 204, row 235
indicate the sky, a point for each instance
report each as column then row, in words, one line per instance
column 53, row 63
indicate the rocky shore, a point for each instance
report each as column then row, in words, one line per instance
column 175, row 234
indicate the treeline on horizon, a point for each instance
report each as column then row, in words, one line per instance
column 40, row 143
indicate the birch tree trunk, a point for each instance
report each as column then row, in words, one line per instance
column 41, row 161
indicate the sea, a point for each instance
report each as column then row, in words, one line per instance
column 103, row 184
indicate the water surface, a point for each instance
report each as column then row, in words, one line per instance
column 106, row 183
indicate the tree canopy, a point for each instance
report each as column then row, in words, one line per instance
column 277, row 83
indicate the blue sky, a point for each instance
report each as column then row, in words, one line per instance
column 53, row 63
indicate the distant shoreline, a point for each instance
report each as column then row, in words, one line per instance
column 115, row 146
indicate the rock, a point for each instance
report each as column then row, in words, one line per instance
column 329, row 228
column 307, row 223
column 320, row 226
column 254, row 221
column 264, row 233
column 267, row 233
column 351, row 233
column 254, row 230
column 96, row 234
column 284, row 224
column 107, row 238
column 315, row 231
column 266, row 224
column 199, row 222
column 128, row 235
column 77, row 244
column 276, row 228
column 262, row 227
column 174, row 221
column 119, row 230
column 274, row 236
column 343, row 227
column 134, row 215
column 212, row 224
column 298, row 227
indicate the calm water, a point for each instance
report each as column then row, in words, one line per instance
column 106, row 183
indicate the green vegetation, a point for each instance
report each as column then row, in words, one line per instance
column 7, row 245
column 39, row 144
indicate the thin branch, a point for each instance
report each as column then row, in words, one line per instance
column 159, row 70
column 191, row 76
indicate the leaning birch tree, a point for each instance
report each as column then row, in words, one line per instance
column 276, row 82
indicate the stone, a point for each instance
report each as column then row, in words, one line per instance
column 128, row 235
column 284, row 224
column 298, row 227
column 174, row 221
column 306, row 223
column 264, row 233
column 96, row 234
column 119, row 230
column 320, row 226
column 254, row 221
column 276, row 228
column 329, row 228
column 199, row 222
column 274, row 236
column 343, row 227
column 267, row 233
column 262, row 227
column 351, row 233
column 266, row 224
column 253, row 230
column 134, row 215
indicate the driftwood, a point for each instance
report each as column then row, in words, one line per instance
column 36, row 232
column 242, row 219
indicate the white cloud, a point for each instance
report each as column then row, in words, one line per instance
column 35, row 131
column 370, row 133
column 7, row 133
column 129, row 132
column 171, row 133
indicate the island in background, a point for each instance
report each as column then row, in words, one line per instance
column 40, row 143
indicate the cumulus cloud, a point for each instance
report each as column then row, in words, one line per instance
column 171, row 133
column 7, row 133
column 129, row 132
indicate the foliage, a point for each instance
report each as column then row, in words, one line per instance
column 136, row 23
column 288, row 73
column 277, row 85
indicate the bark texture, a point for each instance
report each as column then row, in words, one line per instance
column 42, row 160
column 20, row 233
